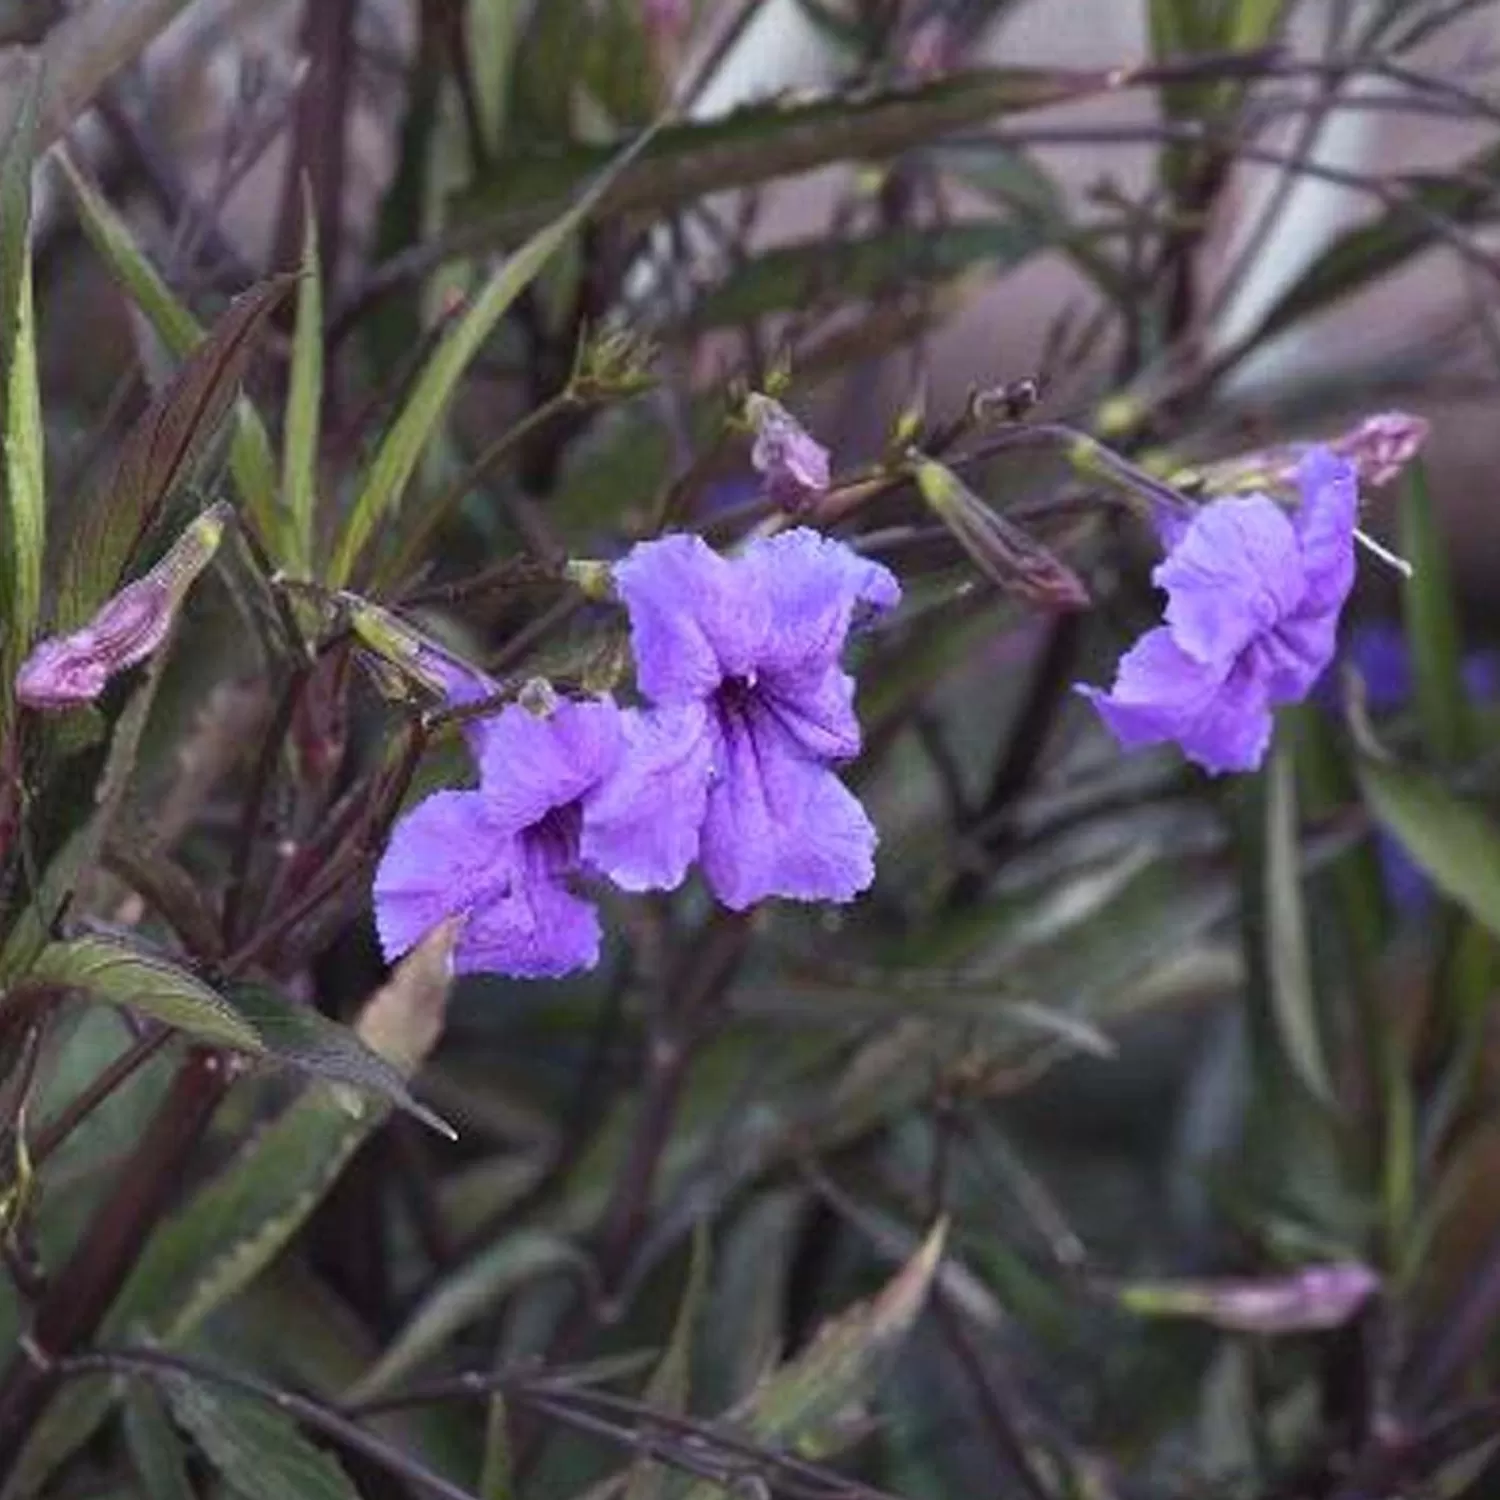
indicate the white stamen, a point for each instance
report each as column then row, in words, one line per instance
column 1384, row 553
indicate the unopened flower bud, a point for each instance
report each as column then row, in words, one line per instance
column 1382, row 445
column 1317, row 1298
column 66, row 670
column 612, row 363
column 1004, row 553
column 793, row 464
column 592, row 578
column 416, row 658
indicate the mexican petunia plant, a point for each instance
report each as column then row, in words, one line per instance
column 583, row 907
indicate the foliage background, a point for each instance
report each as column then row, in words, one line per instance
column 956, row 1191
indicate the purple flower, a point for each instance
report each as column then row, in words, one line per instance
column 582, row 790
column 1253, row 601
column 747, row 650
column 792, row 463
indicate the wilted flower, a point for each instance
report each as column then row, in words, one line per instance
column 67, row 670
column 1252, row 615
column 792, row 463
column 1381, row 446
column 576, row 789
column 1307, row 1301
column 748, row 649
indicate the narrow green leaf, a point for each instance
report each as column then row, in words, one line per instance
column 497, row 1480
column 801, row 276
column 396, row 459
column 465, row 1296
column 1294, row 1003
column 304, row 403
column 1375, row 249
column 252, row 463
column 258, row 1451
column 107, row 970
column 1432, row 629
column 1451, row 839
column 22, row 479
column 493, row 26
column 160, row 450
column 795, row 1405
column 1253, row 23
column 234, row 1226
column 667, row 1389
column 768, row 140
column 305, row 1039
column 155, row 1449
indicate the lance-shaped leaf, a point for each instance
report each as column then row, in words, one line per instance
column 251, row 462
column 304, row 402
column 768, row 140
column 155, row 1448
column 160, row 451
column 1005, row 554
column 465, row 1296
column 255, row 1448
column 800, row 1401
column 1288, row 962
column 303, row 1038
column 1451, row 839
column 250, row 1018
column 234, row 1226
column 1432, row 627
column 1422, row 207
column 106, row 970
column 66, row 670
column 668, row 1388
column 22, row 487
column 396, row 459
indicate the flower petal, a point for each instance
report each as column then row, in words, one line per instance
column 1236, row 571
column 445, row 857
column 694, row 618
column 780, row 824
column 529, row 763
column 641, row 827
column 815, row 707
column 1221, row 720
column 814, row 587
column 538, row 930
column 1325, row 524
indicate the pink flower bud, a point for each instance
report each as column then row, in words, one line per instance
column 793, row 464
column 1381, row 446
column 1307, row 1301
column 66, row 670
